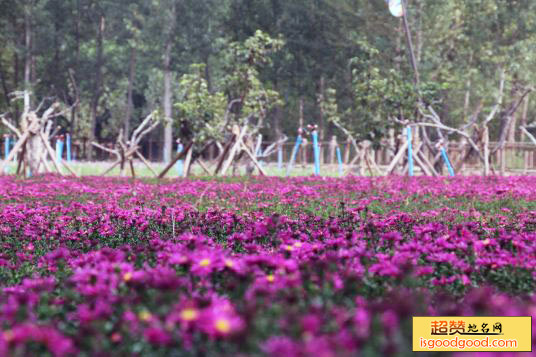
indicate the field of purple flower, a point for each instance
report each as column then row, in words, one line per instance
column 266, row 267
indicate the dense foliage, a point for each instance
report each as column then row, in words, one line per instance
column 279, row 267
column 123, row 59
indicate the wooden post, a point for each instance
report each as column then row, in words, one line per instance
column 144, row 160
column 397, row 157
column 172, row 162
column 485, row 140
column 240, row 135
column 132, row 168
column 347, row 150
column 223, row 154
column 332, row 147
column 187, row 163
column 304, row 152
column 391, row 145
column 122, row 167
column 526, row 161
column 503, row 161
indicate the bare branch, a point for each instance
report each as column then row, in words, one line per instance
column 348, row 134
column 104, row 148
column 508, row 115
column 144, row 123
column 443, row 127
column 228, row 111
column 474, row 117
column 272, row 146
column 145, row 132
column 144, row 160
column 75, row 87
column 528, row 134
column 11, row 127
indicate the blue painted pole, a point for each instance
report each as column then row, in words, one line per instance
column 6, row 147
column 180, row 163
column 410, row 152
column 294, row 153
column 339, row 159
column 316, row 153
column 60, row 153
column 59, row 149
column 69, row 158
column 447, row 161
column 6, row 151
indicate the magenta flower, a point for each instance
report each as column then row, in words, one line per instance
column 281, row 346
column 157, row 336
column 220, row 319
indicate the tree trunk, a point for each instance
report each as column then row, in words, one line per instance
column 418, row 35
column 34, row 149
column 98, row 84
column 485, row 142
column 16, row 74
column 525, row 111
column 321, row 99
column 168, row 129
column 77, row 34
column 167, row 95
column 301, row 113
column 76, row 109
column 511, row 137
column 467, row 98
column 4, row 85
column 28, row 47
column 132, row 72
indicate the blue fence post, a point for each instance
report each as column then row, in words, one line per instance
column 60, row 152
column 68, row 143
column 180, row 163
column 410, row 152
column 447, row 161
column 316, row 152
column 59, row 149
column 6, row 151
column 339, row 159
column 294, row 152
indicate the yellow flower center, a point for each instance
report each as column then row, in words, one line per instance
column 222, row 325
column 297, row 244
column 229, row 263
column 486, row 241
column 145, row 315
column 189, row 314
column 127, row 276
column 289, row 247
column 270, row 278
column 205, row 262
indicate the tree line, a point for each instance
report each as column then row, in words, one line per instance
column 283, row 64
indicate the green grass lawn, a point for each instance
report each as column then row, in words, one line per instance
column 84, row 168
